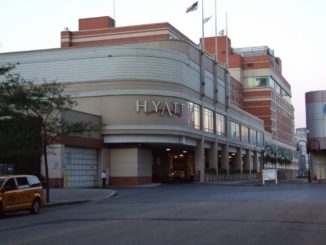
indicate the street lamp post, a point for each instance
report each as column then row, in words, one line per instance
column 263, row 157
column 280, row 158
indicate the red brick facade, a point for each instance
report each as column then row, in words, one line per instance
column 262, row 102
column 102, row 31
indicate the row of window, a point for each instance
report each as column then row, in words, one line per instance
column 237, row 131
column 245, row 134
column 255, row 82
column 208, row 119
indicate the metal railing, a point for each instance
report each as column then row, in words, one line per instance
column 214, row 178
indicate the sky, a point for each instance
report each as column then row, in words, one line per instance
column 294, row 29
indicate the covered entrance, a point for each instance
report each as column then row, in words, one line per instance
column 173, row 163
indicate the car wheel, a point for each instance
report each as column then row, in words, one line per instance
column 36, row 207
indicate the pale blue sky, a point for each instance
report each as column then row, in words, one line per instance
column 295, row 29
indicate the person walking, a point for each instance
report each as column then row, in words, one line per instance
column 103, row 176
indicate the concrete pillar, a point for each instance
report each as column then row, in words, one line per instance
column 130, row 166
column 170, row 163
column 225, row 158
column 318, row 165
column 238, row 159
column 200, row 161
column 248, row 161
column 213, row 156
column 256, row 162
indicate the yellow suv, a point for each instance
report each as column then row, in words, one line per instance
column 20, row 192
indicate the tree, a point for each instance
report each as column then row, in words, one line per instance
column 20, row 144
column 44, row 101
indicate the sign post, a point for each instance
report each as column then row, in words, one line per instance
column 269, row 174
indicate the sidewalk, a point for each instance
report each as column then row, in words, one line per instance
column 294, row 181
column 62, row 196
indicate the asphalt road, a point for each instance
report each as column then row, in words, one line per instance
column 181, row 214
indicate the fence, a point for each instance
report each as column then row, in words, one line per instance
column 213, row 178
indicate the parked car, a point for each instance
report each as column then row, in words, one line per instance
column 21, row 192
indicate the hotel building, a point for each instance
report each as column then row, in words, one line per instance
column 169, row 111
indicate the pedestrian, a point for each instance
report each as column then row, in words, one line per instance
column 103, row 176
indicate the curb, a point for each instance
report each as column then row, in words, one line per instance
column 141, row 186
column 57, row 204
column 113, row 194
column 66, row 203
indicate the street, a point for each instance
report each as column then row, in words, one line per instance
column 181, row 214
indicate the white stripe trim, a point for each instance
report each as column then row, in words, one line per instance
column 161, row 139
column 155, row 127
column 147, row 92
column 114, row 36
column 257, row 99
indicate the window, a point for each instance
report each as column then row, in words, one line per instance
column 272, row 82
column 235, row 131
column 10, row 184
column 254, row 82
column 262, row 81
column 260, row 138
column 253, row 135
column 193, row 115
column 277, row 88
column 22, row 181
column 220, row 124
column 33, row 181
column 244, row 134
column 208, row 121
column 286, row 96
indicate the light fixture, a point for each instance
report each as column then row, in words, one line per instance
column 168, row 149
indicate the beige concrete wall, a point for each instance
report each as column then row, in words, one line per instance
column 123, row 162
column 130, row 162
column 55, row 161
column 236, row 73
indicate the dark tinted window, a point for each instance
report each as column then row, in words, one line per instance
column 22, row 182
column 10, row 184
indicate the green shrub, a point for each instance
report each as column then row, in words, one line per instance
column 211, row 171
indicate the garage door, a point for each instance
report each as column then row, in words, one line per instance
column 80, row 167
